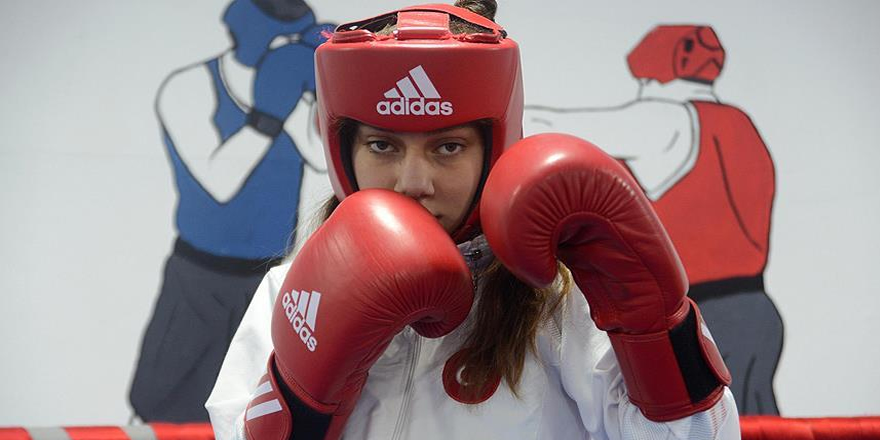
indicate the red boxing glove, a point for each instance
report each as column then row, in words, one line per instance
column 556, row 196
column 379, row 263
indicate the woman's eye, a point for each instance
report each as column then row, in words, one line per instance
column 379, row 147
column 450, row 149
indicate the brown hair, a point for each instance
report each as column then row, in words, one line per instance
column 486, row 8
column 506, row 321
column 508, row 312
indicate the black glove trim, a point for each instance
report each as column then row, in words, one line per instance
column 308, row 424
column 698, row 377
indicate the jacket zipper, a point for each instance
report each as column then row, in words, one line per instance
column 473, row 256
column 408, row 388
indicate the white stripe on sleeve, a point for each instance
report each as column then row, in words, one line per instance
column 263, row 409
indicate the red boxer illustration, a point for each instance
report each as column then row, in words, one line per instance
column 711, row 179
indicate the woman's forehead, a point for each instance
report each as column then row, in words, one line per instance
column 469, row 129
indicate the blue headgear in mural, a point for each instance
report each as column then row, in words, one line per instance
column 253, row 24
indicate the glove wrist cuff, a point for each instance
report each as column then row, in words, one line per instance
column 672, row 374
column 277, row 412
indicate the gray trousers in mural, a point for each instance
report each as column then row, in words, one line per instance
column 197, row 313
column 749, row 333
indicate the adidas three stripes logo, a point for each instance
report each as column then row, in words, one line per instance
column 414, row 94
column 301, row 309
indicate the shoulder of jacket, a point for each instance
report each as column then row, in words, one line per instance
column 275, row 278
column 551, row 331
column 572, row 319
column 280, row 271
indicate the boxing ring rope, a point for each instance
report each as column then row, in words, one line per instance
column 753, row 428
column 152, row 431
column 838, row 428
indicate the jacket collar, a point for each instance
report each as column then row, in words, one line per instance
column 476, row 253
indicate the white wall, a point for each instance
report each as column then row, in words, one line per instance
column 87, row 196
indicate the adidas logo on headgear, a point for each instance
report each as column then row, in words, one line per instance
column 415, row 94
column 301, row 309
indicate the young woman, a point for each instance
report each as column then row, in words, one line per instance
column 400, row 319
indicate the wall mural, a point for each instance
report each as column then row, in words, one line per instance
column 711, row 179
column 240, row 136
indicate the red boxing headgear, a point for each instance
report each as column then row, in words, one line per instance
column 669, row 52
column 421, row 78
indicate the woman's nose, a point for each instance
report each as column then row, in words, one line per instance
column 415, row 177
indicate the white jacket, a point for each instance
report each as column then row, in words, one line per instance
column 572, row 389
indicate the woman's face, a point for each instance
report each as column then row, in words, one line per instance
column 439, row 169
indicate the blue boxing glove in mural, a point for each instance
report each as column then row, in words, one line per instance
column 316, row 34
column 240, row 135
column 282, row 77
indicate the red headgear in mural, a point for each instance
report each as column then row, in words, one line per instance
column 671, row 52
